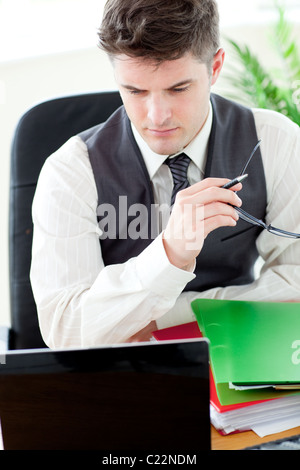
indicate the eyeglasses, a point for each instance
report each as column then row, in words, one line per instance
column 253, row 220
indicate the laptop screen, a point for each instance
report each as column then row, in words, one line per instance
column 138, row 397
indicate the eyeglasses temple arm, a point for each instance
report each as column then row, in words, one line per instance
column 250, row 158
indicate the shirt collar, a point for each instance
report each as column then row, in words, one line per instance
column 196, row 150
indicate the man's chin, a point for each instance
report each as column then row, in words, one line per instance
column 165, row 148
column 163, row 143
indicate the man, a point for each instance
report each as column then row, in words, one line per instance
column 98, row 280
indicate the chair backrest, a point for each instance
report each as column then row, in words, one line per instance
column 40, row 131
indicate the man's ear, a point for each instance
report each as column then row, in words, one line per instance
column 217, row 65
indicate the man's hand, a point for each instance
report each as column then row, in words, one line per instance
column 197, row 211
column 145, row 334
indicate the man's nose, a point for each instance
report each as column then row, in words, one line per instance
column 159, row 110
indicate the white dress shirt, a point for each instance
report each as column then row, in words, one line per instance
column 81, row 302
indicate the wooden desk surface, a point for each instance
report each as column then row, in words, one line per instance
column 245, row 439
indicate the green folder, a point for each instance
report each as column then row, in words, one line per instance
column 251, row 343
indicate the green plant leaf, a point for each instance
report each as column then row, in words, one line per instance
column 253, row 85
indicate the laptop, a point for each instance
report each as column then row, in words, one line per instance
column 148, row 397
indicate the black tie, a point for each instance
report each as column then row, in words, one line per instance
column 178, row 166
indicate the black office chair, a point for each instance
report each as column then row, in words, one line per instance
column 40, row 131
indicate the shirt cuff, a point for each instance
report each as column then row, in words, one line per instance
column 181, row 312
column 157, row 274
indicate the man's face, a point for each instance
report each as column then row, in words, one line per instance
column 168, row 104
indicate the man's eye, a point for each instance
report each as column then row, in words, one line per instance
column 135, row 92
column 181, row 89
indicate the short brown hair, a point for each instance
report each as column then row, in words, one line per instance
column 160, row 30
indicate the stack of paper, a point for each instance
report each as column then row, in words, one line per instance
column 263, row 418
column 255, row 363
column 264, row 411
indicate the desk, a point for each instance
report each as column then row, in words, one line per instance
column 245, row 439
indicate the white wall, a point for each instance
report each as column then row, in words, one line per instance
column 26, row 82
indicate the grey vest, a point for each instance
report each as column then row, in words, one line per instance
column 229, row 254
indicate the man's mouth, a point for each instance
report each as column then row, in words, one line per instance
column 162, row 132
